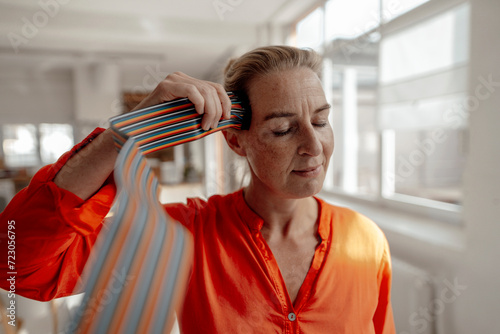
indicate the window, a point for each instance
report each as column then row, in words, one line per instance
column 20, row 145
column 55, row 139
column 350, row 18
column 421, row 79
column 309, row 30
column 355, row 162
column 391, row 9
column 29, row 145
column 392, row 90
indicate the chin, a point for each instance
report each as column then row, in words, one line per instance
column 304, row 191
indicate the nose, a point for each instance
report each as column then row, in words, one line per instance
column 310, row 143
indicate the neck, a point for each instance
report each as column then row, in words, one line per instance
column 283, row 217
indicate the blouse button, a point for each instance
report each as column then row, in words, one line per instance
column 292, row 316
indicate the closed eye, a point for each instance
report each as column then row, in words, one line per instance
column 282, row 133
column 321, row 125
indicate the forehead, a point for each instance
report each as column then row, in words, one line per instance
column 285, row 90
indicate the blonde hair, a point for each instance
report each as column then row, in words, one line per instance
column 264, row 60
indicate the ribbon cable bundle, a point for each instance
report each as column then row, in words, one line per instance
column 172, row 123
column 138, row 269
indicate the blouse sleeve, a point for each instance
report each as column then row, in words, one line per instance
column 383, row 319
column 187, row 214
column 54, row 231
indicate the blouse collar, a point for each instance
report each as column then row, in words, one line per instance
column 255, row 222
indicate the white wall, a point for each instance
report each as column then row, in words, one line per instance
column 479, row 309
column 38, row 95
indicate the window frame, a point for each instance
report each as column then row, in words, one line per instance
column 415, row 206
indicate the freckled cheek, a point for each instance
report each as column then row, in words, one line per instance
column 271, row 157
column 328, row 144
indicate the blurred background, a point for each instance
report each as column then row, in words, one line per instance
column 415, row 90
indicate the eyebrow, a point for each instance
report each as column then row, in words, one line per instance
column 278, row 114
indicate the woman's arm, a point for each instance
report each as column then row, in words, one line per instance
column 47, row 232
column 86, row 171
column 58, row 216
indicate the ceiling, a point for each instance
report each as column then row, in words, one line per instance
column 194, row 36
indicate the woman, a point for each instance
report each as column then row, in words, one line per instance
column 268, row 258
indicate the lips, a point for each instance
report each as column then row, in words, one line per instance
column 308, row 171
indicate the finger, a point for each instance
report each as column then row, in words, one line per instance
column 169, row 90
column 217, row 108
column 195, row 96
column 209, row 99
column 212, row 107
column 224, row 100
column 199, row 92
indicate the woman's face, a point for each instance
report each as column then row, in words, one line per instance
column 290, row 140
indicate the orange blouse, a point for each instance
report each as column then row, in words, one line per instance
column 235, row 284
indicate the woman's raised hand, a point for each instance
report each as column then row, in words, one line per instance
column 209, row 98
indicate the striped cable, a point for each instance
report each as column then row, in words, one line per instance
column 138, row 269
column 172, row 123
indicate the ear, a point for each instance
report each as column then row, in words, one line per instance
column 233, row 139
